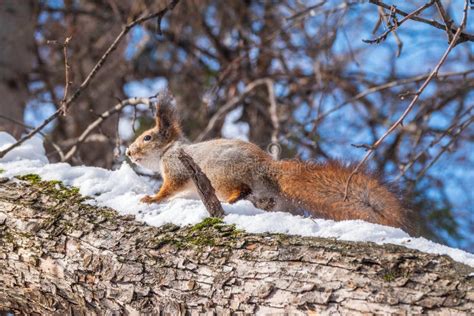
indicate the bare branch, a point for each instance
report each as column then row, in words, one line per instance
column 102, row 117
column 274, row 117
column 463, row 36
column 395, row 34
column 461, row 128
column 306, row 11
column 55, row 146
column 66, row 76
column 91, row 75
column 388, row 85
column 393, row 26
column 229, row 106
column 412, row 103
column 435, row 141
column 448, row 22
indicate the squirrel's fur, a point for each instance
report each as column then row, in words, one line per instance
column 241, row 170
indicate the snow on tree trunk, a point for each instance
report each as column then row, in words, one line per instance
column 59, row 255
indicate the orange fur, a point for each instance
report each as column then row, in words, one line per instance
column 236, row 194
column 168, row 189
column 320, row 188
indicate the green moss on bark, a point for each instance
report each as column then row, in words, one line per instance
column 53, row 188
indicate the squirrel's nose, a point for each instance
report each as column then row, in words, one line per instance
column 128, row 153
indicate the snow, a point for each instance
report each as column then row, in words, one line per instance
column 122, row 189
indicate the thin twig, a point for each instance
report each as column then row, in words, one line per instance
column 212, row 91
column 305, row 11
column 435, row 141
column 412, row 103
column 394, row 32
column 463, row 37
column 66, row 76
column 74, row 11
column 229, row 106
column 55, row 146
column 117, row 150
column 388, row 85
column 394, row 26
column 102, row 117
column 463, row 126
column 91, row 75
column 447, row 20
column 275, row 120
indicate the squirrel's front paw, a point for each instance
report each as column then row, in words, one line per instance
column 148, row 199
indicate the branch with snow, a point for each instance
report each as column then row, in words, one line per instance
column 61, row 255
column 122, row 190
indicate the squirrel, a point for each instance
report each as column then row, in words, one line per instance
column 241, row 170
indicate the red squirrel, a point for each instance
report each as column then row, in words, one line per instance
column 241, row 170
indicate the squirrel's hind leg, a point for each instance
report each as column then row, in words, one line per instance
column 266, row 203
column 274, row 202
column 234, row 194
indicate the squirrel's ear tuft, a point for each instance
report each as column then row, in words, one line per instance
column 164, row 99
column 165, row 111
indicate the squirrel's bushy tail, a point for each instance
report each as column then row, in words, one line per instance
column 320, row 189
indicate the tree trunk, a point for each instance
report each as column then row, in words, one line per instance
column 17, row 20
column 59, row 255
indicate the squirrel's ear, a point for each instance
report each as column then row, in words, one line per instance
column 165, row 111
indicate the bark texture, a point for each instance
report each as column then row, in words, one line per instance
column 61, row 256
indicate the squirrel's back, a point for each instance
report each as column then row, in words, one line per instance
column 297, row 186
column 320, row 189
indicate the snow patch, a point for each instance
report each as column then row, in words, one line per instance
column 122, row 190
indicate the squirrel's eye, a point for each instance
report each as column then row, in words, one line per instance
column 147, row 138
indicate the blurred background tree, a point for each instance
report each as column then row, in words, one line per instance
column 295, row 72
